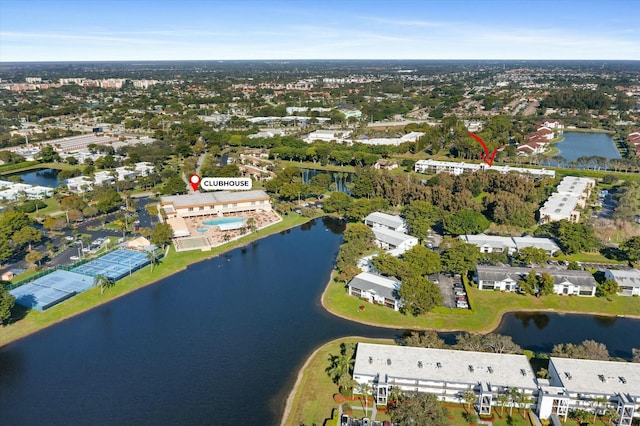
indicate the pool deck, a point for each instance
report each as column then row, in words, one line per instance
column 213, row 236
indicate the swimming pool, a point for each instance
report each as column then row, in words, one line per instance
column 223, row 221
column 202, row 230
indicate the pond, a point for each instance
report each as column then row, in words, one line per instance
column 576, row 145
column 218, row 343
column 41, row 177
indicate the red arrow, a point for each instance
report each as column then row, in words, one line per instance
column 485, row 157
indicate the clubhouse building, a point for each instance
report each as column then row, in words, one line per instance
column 218, row 203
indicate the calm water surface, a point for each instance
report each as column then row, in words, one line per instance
column 576, row 144
column 42, row 177
column 220, row 343
column 540, row 331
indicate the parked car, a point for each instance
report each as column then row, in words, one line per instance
column 344, row 420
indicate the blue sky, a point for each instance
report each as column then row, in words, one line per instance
column 86, row 30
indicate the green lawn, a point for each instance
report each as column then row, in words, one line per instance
column 52, row 206
column 487, row 309
column 313, row 400
column 586, row 257
column 174, row 262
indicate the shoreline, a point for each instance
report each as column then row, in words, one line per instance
column 109, row 298
column 291, row 397
column 495, row 323
column 294, row 390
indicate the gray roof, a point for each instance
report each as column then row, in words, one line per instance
column 382, row 286
column 391, row 237
column 537, row 242
column 492, row 241
column 500, row 273
column 628, row 278
column 385, row 219
column 455, row 366
column 208, row 198
column 585, row 376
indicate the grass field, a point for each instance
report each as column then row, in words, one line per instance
column 312, row 402
column 174, row 262
column 487, row 309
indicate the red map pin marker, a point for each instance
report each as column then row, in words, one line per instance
column 194, row 180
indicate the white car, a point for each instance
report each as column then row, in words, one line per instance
column 74, row 258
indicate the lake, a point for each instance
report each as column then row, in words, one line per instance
column 219, row 343
column 41, row 177
column 540, row 331
column 577, row 144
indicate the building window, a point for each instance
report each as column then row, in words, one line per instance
column 234, row 205
column 253, row 203
column 190, row 209
column 201, row 208
column 261, row 201
column 225, row 206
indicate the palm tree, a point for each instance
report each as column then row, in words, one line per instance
column 152, row 256
column 502, row 400
column 251, row 224
column 514, row 394
column 469, row 398
column 523, row 401
column 103, row 282
column 613, row 415
column 365, row 389
column 597, row 403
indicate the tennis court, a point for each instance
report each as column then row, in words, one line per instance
column 51, row 289
column 115, row 265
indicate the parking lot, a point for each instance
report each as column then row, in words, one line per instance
column 453, row 293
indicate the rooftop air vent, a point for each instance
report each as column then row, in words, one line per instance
column 567, row 375
column 419, row 364
column 601, row 377
column 622, row 380
column 471, row 368
column 370, row 360
column 438, row 364
column 523, row 372
column 490, row 369
column 388, row 361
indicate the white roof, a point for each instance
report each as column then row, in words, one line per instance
column 389, row 236
column 585, row 376
column 455, row 366
column 385, row 219
column 572, row 185
column 489, row 240
column 537, row 242
column 559, row 205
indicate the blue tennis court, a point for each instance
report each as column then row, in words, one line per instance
column 51, row 289
column 115, row 265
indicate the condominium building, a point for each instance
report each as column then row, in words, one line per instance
column 449, row 374
column 509, row 245
column 567, row 282
column 571, row 194
column 455, row 168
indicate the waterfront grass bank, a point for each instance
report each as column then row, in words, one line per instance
column 34, row 321
column 311, row 399
column 487, row 309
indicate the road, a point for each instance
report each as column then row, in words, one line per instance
column 68, row 239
